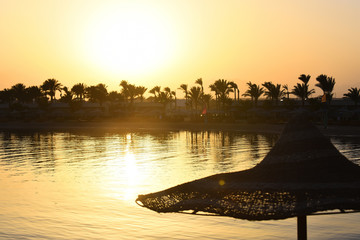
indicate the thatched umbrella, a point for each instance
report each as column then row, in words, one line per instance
column 301, row 175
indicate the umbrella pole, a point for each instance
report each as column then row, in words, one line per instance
column 301, row 227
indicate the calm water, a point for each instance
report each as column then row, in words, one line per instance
column 83, row 186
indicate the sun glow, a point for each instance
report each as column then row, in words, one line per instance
column 134, row 41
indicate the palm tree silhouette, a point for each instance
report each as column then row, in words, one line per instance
column 6, row 96
column 50, row 86
column 67, row 97
column 115, row 96
column 140, row 91
column 273, row 92
column 200, row 82
column 327, row 85
column 156, row 92
column 195, row 96
column 33, row 93
column 286, row 91
column 213, row 88
column 170, row 94
column 302, row 90
column 97, row 93
column 184, row 87
column 79, row 90
column 254, row 91
column 223, row 88
column 206, row 99
column 164, row 97
column 353, row 94
column 235, row 89
column 304, row 78
column 129, row 91
column 19, row 92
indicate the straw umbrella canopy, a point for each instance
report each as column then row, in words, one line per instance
column 301, row 175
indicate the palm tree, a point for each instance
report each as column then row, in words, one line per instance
column 304, row 78
column 286, row 91
column 79, row 90
column 67, row 97
column 213, row 88
column 353, row 94
column 302, row 91
column 50, row 86
column 206, row 99
column 274, row 92
column 223, row 88
column 33, row 93
column 277, row 93
column 327, row 85
column 163, row 97
column 254, row 91
column 115, row 96
column 128, row 90
column 184, row 87
column 102, row 93
column 200, row 82
column 235, row 89
column 97, row 93
column 174, row 94
column 167, row 90
column 19, row 91
column 195, row 95
column 6, row 96
column 140, row 91
column 156, row 92
column 169, row 94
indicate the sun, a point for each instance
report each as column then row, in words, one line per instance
column 131, row 41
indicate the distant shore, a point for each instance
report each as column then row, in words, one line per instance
column 131, row 126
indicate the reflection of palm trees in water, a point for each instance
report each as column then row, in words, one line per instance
column 198, row 142
column 227, row 150
column 259, row 145
column 41, row 146
column 211, row 147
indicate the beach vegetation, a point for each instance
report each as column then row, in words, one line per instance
column 327, row 86
column 254, row 91
column 353, row 94
column 50, row 87
column 66, row 95
column 273, row 92
column 195, row 96
column 79, row 91
column 97, row 93
column 163, row 103
column 301, row 90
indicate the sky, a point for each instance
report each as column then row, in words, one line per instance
column 172, row 42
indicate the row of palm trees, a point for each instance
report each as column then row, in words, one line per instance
column 302, row 90
column 195, row 96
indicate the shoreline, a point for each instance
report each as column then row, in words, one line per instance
column 131, row 126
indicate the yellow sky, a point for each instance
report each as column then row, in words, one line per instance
column 171, row 42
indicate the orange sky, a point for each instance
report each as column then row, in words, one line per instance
column 168, row 43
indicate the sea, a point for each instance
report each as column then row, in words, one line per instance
column 83, row 185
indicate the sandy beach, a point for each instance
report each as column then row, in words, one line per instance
column 125, row 126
